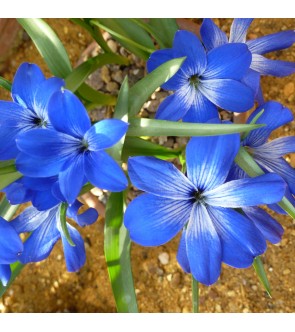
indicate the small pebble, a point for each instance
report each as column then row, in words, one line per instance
column 164, row 258
column 286, row 272
column 112, row 45
column 169, row 277
column 289, row 89
column 218, row 308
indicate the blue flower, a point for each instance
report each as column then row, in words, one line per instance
column 204, row 81
column 74, row 150
column 213, row 37
column 269, row 155
column 201, row 205
column 11, row 248
column 31, row 92
column 46, row 231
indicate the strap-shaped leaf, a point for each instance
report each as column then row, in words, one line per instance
column 259, row 269
column 94, row 97
column 80, row 74
column 4, row 83
column 141, row 91
column 166, row 28
column 49, row 45
column 7, row 179
column 135, row 146
column 152, row 127
column 63, row 223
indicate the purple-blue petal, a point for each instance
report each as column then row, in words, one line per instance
column 203, row 246
column 172, row 108
column 264, row 189
column 211, row 35
column 11, row 245
column 239, row 29
column 241, row 241
column 182, row 253
column 159, row 177
column 268, row 226
column 75, row 256
column 5, row 274
column 274, row 116
column 105, row 134
column 67, row 114
column 153, row 220
column 26, row 82
column 85, row 218
column 228, row 61
column 102, row 171
column 276, row 68
column 228, row 94
column 273, row 42
column 208, row 161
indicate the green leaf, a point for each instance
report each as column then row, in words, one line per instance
column 117, row 254
column 130, row 35
column 195, row 295
column 259, row 269
column 15, row 271
column 7, row 167
column 7, row 210
column 249, row 165
column 166, row 29
column 152, row 127
column 48, row 45
column 4, row 83
column 80, row 74
column 7, row 179
column 63, row 223
column 141, row 91
column 121, row 113
column 135, row 146
column 94, row 32
column 94, row 97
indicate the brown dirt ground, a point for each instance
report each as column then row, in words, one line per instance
column 47, row 287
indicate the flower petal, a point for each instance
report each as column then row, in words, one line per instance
column 159, row 57
column 159, row 177
column 43, row 94
column 203, row 246
column 172, row 108
column 39, row 184
column 11, row 245
column 273, row 42
column 67, row 114
column 5, row 274
column 44, row 143
column 189, row 45
column 281, row 167
column 252, row 80
column 87, row 217
column 209, row 159
column 153, row 220
column 228, row 61
column 274, row 116
column 44, row 200
column 211, row 35
column 264, row 189
column 272, row 67
column 201, row 111
column 182, row 253
column 17, row 193
column 37, row 167
column 239, row 29
column 105, row 134
column 228, row 94
column 41, row 242
column 25, row 84
column 103, row 172
column 75, row 256
column 268, row 226
column 241, row 240
column 276, row 148
column 29, row 220
column 71, row 179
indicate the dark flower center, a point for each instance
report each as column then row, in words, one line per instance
column 40, row 123
column 194, row 81
column 198, row 196
column 84, row 145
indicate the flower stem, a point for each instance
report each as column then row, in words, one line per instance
column 195, row 295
